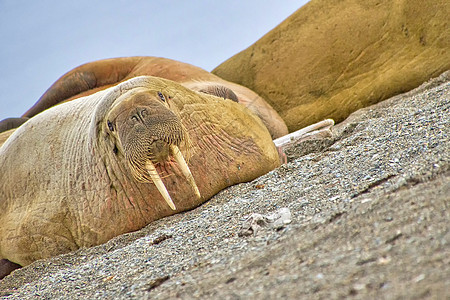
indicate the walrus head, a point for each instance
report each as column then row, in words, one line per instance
column 149, row 133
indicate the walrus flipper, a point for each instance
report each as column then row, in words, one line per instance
column 87, row 77
column 11, row 123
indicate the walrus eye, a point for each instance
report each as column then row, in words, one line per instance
column 161, row 96
column 110, row 126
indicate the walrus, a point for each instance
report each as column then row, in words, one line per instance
column 94, row 76
column 331, row 58
column 11, row 123
column 81, row 172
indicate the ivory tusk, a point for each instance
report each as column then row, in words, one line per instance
column 281, row 141
column 184, row 168
column 159, row 184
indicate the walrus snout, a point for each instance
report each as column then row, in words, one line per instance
column 151, row 138
column 151, row 133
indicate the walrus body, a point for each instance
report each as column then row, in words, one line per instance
column 70, row 176
column 331, row 58
column 92, row 77
column 11, row 123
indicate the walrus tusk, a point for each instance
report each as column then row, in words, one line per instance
column 184, row 168
column 159, row 184
column 321, row 129
column 322, row 125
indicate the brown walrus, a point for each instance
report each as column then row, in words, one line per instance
column 92, row 77
column 330, row 58
column 11, row 123
column 86, row 170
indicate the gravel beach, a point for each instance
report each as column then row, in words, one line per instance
column 370, row 211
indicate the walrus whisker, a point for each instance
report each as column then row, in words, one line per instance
column 184, row 168
column 159, row 184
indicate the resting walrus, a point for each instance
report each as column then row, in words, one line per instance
column 90, row 169
column 331, row 58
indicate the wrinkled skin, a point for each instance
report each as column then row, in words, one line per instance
column 92, row 77
column 75, row 185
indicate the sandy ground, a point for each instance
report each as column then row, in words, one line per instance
column 369, row 208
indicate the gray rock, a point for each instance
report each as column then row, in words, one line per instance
column 370, row 215
column 255, row 222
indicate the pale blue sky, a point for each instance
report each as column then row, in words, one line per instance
column 42, row 40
